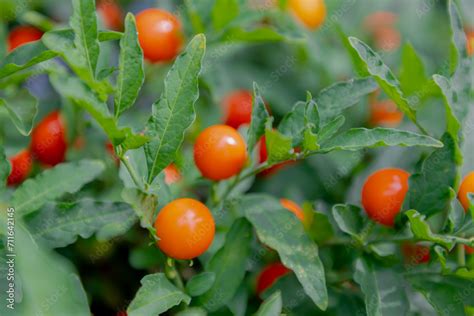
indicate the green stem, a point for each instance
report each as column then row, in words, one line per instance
column 173, row 274
column 461, row 256
column 131, row 170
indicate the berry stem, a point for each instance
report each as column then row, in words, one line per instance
column 173, row 274
column 461, row 256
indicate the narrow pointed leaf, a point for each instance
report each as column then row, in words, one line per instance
column 383, row 289
column 174, row 112
column 81, row 95
column 384, row 76
column 340, row 96
column 22, row 109
column 53, row 183
column 279, row 147
column 259, row 118
column 25, row 56
column 60, row 224
column 228, row 265
column 84, row 25
column 131, row 74
column 430, row 192
column 359, row 138
column 412, row 73
column 156, row 296
column 283, row 232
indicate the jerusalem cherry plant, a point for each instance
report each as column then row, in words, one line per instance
column 208, row 158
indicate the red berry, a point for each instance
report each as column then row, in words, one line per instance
column 48, row 140
column 269, row 275
column 21, row 165
column 238, row 108
column 22, row 35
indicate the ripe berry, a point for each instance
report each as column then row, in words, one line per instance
column 48, row 140
column 383, row 194
column 293, row 207
column 159, row 34
column 185, row 228
column 172, row 174
column 238, row 108
column 269, row 275
column 467, row 186
column 385, row 113
column 309, row 12
column 111, row 14
column 22, row 35
column 220, row 152
column 415, row 254
column 21, row 165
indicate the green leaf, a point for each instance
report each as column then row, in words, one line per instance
column 301, row 121
column 259, row 117
column 131, row 74
column 453, row 107
column 4, row 168
column 174, row 112
column 283, row 232
column 156, row 296
column 62, row 43
column 223, row 12
column 422, row 230
column 279, row 146
column 45, row 275
column 349, row 219
column 340, row 96
column 192, row 311
column 384, row 77
column 53, row 183
column 429, row 189
column 272, row 306
column 74, row 90
column 84, row 24
column 445, row 298
column 22, row 109
column 108, row 35
column 412, row 73
column 25, row 56
column 331, row 128
column 384, row 290
column 359, row 65
column 59, row 224
column 359, row 138
column 228, row 265
column 200, row 283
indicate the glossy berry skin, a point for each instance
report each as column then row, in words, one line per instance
column 269, row 275
column 385, row 113
column 383, row 194
column 111, row 14
column 415, row 254
column 172, row 174
column 22, row 35
column 159, row 34
column 220, row 152
column 293, row 208
column 309, row 12
column 238, row 108
column 185, row 228
column 467, row 186
column 48, row 140
column 21, row 165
